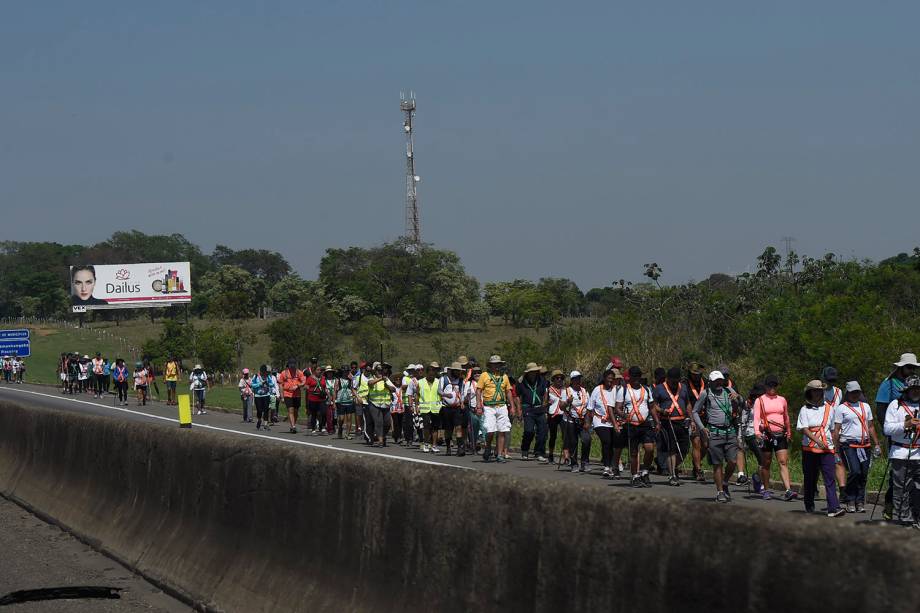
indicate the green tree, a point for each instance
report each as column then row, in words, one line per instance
column 215, row 348
column 176, row 339
column 369, row 336
column 311, row 331
column 232, row 293
column 270, row 266
column 290, row 293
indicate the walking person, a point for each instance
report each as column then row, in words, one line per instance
column 816, row 423
column 7, row 369
column 576, row 424
column 379, row 398
column 720, row 408
column 246, row 396
column 141, row 383
column 316, row 402
column 634, row 402
column 531, row 406
column 291, row 380
column 84, row 375
column 171, row 377
column 397, row 408
column 493, row 395
column 557, row 396
column 106, row 374
column 602, row 405
column 854, row 433
column 344, row 405
column 263, row 388
column 749, row 442
column 429, row 407
column 359, row 388
column 453, row 415
column 890, row 390
column 473, row 409
column 773, row 431
column 672, row 398
column 834, row 395
column 120, row 376
column 328, row 384
column 902, row 426
column 695, row 386
column 198, row 384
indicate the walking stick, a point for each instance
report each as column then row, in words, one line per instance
column 676, row 442
column 879, row 493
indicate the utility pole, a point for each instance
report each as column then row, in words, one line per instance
column 413, row 228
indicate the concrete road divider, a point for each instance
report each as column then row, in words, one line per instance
column 238, row 525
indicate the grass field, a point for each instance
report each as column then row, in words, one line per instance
column 117, row 341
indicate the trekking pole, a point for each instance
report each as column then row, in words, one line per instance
column 910, row 451
column 676, row 442
column 879, row 493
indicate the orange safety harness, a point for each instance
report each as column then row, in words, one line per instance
column 582, row 407
column 696, row 392
column 675, row 404
column 765, row 423
column 860, row 413
column 398, row 406
column 558, row 393
column 821, row 432
column 605, row 418
column 636, row 403
column 915, row 444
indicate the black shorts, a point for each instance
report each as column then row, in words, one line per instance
column 620, row 440
column 676, row 436
column 292, row 403
column 774, row 442
column 432, row 420
column 453, row 417
column 640, row 435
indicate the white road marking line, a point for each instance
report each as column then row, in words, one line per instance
column 231, row 431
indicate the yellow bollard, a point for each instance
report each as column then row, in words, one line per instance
column 185, row 411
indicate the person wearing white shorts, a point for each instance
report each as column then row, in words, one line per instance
column 494, row 390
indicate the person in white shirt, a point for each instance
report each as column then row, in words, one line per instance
column 854, row 432
column 198, row 384
column 816, row 423
column 601, row 405
column 902, row 425
column 575, row 425
column 636, row 405
column 558, row 394
column 477, row 432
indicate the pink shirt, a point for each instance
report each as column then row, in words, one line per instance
column 776, row 411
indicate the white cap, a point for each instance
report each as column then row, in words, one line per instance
column 574, row 374
column 716, row 375
column 853, row 386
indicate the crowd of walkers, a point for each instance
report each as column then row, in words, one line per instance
column 14, row 369
column 657, row 421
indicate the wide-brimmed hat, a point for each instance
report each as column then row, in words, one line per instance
column 197, row 367
column 328, row 368
column 696, row 368
column 463, row 360
column 907, row 359
column 434, row 365
column 556, row 373
column 531, row 367
column 829, row 373
column 814, row 384
column 455, row 366
column 496, row 359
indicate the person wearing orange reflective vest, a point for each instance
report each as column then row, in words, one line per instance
column 902, row 425
column 816, row 423
column 854, row 433
column 576, row 425
column 695, row 386
column 636, row 405
column 671, row 396
column 834, row 395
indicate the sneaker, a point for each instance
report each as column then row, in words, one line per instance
column 766, row 495
column 616, row 473
column 606, row 473
column 790, row 495
column 836, row 513
column 721, row 497
column 637, row 481
column 725, row 491
column 486, row 455
column 434, row 449
column 742, row 480
column 542, row 459
column 851, row 508
column 525, row 456
column 501, row 459
column 549, row 458
column 583, row 467
column 314, row 431
column 646, row 480
column 916, row 525
column 461, row 452
column 574, row 468
column 673, row 481
column 425, row 448
column 293, row 430
column 888, row 513
column 860, row 508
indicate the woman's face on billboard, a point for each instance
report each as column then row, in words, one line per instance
column 83, row 283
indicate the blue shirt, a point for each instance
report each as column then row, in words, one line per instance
column 889, row 390
column 107, row 369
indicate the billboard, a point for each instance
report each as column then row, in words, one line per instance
column 125, row 286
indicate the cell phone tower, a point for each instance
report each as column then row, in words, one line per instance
column 413, row 228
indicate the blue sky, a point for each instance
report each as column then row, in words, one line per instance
column 553, row 139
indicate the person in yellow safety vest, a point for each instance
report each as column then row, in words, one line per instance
column 171, row 376
column 429, row 407
column 379, row 397
column 494, row 396
column 358, row 382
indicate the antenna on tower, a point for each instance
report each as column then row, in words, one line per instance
column 413, row 228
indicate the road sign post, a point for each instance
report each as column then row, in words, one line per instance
column 15, row 342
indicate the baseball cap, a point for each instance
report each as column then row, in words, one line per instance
column 574, row 374
column 853, row 386
column 716, row 375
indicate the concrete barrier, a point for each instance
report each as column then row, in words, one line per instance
column 240, row 525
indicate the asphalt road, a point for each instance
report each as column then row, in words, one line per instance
column 38, row 555
column 157, row 412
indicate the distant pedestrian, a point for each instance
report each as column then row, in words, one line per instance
column 198, row 385
column 171, row 377
column 245, row 387
column 140, row 383
column 120, row 377
column 263, row 388
column 292, row 381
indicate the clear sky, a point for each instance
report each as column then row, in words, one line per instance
column 577, row 139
